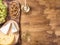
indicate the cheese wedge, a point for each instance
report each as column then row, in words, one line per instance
column 14, row 27
column 6, row 39
column 5, row 28
column 7, row 33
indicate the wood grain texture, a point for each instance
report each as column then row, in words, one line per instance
column 41, row 23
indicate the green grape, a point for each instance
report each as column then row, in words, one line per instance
column 0, row 0
column 3, row 12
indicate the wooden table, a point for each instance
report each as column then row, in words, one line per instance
column 42, row 20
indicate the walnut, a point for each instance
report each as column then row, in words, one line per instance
column 14, row 9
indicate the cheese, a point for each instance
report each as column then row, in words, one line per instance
column 7, row 33
column 5, row 28
column 9, row 26
column 14, row 27
column 6, row 39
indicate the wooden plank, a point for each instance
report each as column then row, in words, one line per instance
column 42, row 17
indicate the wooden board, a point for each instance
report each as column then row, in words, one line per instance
column 13, row 14
column 41, row 21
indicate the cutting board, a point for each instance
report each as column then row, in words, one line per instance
column 39, row 24
column 13, row 13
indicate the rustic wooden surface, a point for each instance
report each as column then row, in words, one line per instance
column 41, row 23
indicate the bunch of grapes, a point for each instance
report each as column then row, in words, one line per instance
column 3, row 12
